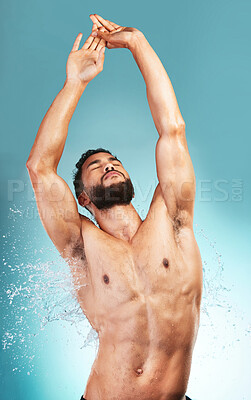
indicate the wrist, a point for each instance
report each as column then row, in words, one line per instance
column 75, row 85
column 136, row 37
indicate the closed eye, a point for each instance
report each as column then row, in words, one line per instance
column 118, row 165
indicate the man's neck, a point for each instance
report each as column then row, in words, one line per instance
column 121, row 221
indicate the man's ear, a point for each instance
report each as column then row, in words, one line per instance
column 83, row 199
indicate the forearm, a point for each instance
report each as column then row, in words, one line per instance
column 50, row 140
column 160, row 94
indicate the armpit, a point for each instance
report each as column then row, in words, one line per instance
column 181, row 219
column 74, row 251
column 77, row 250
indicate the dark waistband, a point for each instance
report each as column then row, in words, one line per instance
column 187, row 398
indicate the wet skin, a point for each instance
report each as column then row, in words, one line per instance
column 138, row 282
column 143, row 298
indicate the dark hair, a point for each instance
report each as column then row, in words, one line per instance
column 77, row 180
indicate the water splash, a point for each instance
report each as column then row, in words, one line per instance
column 222, row 324
column 42, row 292
column 35, row 294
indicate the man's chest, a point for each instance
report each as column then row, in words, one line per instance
column 150, row 268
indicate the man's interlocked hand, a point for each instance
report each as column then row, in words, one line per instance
column 85, row 63
column 116, row 36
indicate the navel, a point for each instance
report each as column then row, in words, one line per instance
column 139, row 371
column 165, row 262
column 106, row 279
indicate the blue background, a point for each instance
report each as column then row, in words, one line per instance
column 205, row 48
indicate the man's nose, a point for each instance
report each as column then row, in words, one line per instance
column 108, row 167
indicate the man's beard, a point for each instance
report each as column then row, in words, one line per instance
column 120, row 193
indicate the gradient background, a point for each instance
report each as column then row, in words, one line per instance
column 205, row 48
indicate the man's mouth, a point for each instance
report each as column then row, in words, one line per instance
column 110, row 174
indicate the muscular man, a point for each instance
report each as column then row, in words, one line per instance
column 138, row 282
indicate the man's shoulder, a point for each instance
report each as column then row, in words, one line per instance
column 84, row 218
column 85, row 221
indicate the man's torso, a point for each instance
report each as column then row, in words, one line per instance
column 143, row 298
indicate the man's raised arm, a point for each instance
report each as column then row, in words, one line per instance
column 56, row 204
column 174, row 167
column 160, row 94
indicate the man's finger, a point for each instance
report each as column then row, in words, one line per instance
column 101, row 44
column 103, row 35
column 94, row 43
column 88, row 42
column 95, row 21
column 77, row 42
column 115, row 26
column 94, row 27
column 107, row 24
column 101, row 56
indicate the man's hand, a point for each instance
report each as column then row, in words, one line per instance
column 84, row 64
column 115, row 35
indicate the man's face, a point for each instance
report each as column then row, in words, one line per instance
column 106, row 182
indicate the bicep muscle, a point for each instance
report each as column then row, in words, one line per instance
column 176, row 174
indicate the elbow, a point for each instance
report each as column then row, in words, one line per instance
column 179, row 127
column 30, row 164
column 32, row 169
column 38, row 167
column 33, row 165
column 174, row 129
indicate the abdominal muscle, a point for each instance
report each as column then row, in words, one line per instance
column 145, row 351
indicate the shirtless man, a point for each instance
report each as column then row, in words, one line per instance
column 140, row 281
